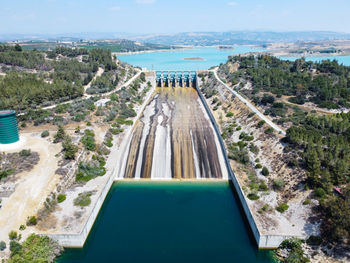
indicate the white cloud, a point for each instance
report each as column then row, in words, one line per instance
column 145, row 1
column 232, row 3
column 115, row 8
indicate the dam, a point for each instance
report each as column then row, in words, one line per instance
column 173, row 138
column 172, row 199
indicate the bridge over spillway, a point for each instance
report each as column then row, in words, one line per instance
column 172, row 79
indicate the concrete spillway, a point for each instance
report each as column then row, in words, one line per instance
column 174, row 138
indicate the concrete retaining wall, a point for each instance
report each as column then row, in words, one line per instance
column 263, row 241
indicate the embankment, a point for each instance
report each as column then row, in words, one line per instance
column 264, row 241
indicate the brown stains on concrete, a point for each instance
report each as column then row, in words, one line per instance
column 175, row 115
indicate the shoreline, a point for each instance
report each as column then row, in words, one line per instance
column 151, row 51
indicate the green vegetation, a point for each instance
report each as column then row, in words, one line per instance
column 88, row 171
column 25, row 153
column 57, row 80
column 34, row 249
column 229, row 114
column 13, row 235
column 5, row 173
column 45, row 134
column 253, row 196
column 282, row 207
column 22, row 227
column 23, row 90
column 61, row 198
column 89, row 140
column 105, row 83
column 296, row 253
column 31, row 221
column 69, row 148
column 83, row 199
column 278, row 184
column 2, row 245
column 329, row 88
column 60, row 134
column 265, row 171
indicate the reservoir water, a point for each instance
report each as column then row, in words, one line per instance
column 175, row 60
column 212, row 56
column 177, row 221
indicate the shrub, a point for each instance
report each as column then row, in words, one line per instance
column 282, row 207
column 319, row 192
column 258, row 166
column 2, row 245
column 60, row 134
column 263, row 187
column 278, row 184
column 314, row 241
column 265, row 171
column 15, row 247
column 261, row 123
column 269, row 130
column 69, row 149
column 88, row 171
column 31, row 221
column 83, row 199
column 307, row 202
column 25, row 153
column 88, row 140
column 229, row 114
column 61, row 198
column 253, row 196
column 45, row 134
column 108, row 142
column 12, row 235
column 22, row 227
column 34, row 249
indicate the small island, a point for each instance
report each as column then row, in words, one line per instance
column 196, row 58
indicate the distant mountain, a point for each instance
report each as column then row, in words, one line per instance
column 63, row 37
column 240, row 37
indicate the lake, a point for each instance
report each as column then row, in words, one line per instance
column 175, row 60
column 211, row 56
column 171, row 222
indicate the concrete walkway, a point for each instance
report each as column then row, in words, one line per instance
column 250, row 105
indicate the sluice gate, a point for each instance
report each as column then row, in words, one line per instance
column 176, row 79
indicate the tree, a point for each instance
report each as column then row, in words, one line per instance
column 69, row 148
column 18, row 48
column 60, row 134
column 2, row 245
column 265, row 171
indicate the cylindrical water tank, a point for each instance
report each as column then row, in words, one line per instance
column 8, row 127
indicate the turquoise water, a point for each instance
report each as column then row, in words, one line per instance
column 169, row 222
column 174, row 60
column 345, row 60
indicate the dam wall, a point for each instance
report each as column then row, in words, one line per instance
column 263, row 241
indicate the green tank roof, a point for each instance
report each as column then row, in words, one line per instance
column 8, row 127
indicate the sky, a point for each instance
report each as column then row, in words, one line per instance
column 165, row 16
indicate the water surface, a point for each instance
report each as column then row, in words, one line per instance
column 170, row 222
column 174, row 60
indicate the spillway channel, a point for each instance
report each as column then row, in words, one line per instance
column 173, row 139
